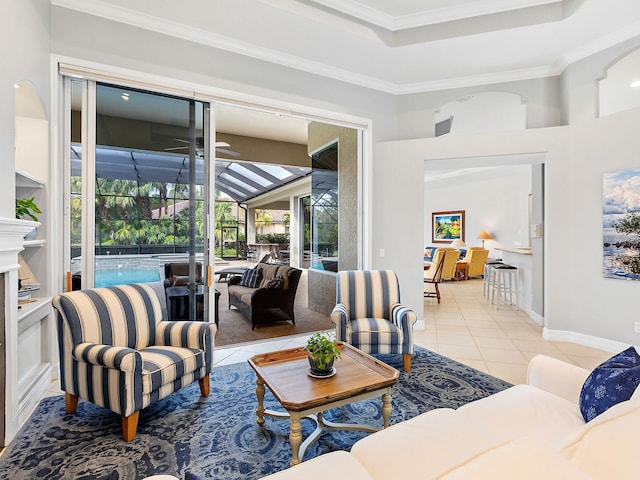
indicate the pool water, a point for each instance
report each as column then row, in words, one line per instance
column 107, row 278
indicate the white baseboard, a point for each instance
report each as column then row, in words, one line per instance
column 536, row 318
column 583, row 339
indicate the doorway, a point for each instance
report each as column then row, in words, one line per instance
column 503, row 196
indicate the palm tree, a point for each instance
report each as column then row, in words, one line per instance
column 263, row 218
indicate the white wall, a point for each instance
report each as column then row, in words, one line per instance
column 484, row 112
column 416, row 112
column 24, row 36
column 579, row 83
column 580, row 305
column 495, row 200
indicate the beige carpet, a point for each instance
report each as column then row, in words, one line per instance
column 235, row 328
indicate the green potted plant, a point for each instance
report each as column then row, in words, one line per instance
column 26, row 207
column 323, row 350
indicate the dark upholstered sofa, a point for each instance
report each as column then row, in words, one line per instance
column 262, row 304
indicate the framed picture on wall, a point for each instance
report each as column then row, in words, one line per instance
column 447, row 226
column 621, row 224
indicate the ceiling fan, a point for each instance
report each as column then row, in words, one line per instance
column 200, row 147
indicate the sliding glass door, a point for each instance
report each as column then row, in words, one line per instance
column 138, row 190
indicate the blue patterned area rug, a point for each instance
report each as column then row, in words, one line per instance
column 218, row 437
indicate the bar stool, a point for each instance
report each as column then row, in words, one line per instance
column 505, row 281
column 488, row 277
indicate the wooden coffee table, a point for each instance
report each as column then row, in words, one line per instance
column 358, row 376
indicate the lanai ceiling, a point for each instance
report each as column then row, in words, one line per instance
column 399, row 46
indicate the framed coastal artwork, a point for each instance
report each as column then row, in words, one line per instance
column 447, row 226
column 621, row 224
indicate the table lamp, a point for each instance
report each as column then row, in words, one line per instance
column 458, row 244
column 484, row 235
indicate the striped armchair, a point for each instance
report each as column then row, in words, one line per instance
column 369, row 316
column 117, row 351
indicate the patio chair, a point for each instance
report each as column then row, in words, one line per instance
column 239, row 271
column 177, row 273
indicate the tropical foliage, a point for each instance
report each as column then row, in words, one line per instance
column 629, row 226
column 132, row 213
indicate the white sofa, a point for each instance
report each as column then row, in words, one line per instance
column 532, row 431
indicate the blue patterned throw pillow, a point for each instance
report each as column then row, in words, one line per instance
column 610, row 383
column 250, row 278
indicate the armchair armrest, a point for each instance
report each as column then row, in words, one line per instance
column 340, row 318
column 198, row 335
column 186, row 334
column 108, row 356
column 556, row 376
column 403, row 317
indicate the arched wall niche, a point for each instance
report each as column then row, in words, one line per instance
column 31, row 132
column 619, row 88
column 481, row 112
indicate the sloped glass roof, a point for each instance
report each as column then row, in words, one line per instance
column 241, row 181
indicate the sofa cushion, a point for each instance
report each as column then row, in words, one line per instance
column 163, row 364
column 424, row 447
column 239, row 290
column 611, row 382
column 251, row 278
column 606, row 447
column 530, row 459
column 524, row 410
column 284, row 272
column 268, row 271
column 375, row 335
column 332, row 464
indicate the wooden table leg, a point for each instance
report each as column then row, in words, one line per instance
column 260, row 395
column 386, row 409
column 295, row 437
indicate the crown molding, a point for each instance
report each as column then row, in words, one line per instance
column 431, row 17
column 178, row 30
column 602, row 43
column 476, row 80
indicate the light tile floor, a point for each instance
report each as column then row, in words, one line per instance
column 500, row 341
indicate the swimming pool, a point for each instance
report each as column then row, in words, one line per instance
column 106, row 278
column 121, row 269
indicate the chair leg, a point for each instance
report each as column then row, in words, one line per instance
column 406, row 357
column 130, row 426
column 437, row 292
column 71, row 402
column 205, row 384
